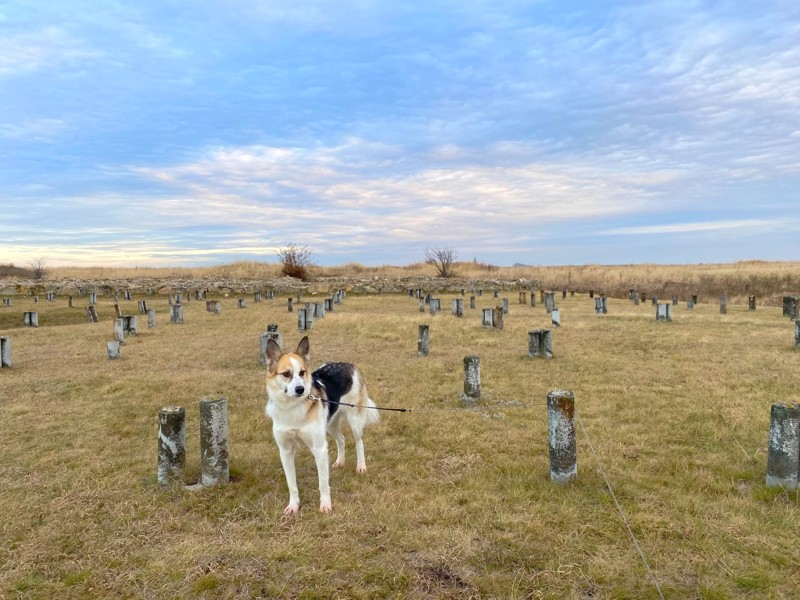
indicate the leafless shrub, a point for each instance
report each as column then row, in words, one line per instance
column 296, row 260
column 443, row 260
column 39, row 267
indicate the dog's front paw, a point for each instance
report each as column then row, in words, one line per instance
column 326, row 507
column 291, row 508
column 361, row 469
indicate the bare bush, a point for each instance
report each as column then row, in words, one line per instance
column 39, row 267
column 296, row 260
column 443, row 260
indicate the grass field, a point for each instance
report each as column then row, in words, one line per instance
column 456, row 503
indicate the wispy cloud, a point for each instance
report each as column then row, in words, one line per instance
column 751, row 225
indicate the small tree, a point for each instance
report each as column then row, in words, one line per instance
column 296, row 260
column 38, row 266
column 443, row 259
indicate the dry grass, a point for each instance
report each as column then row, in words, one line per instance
column 456, row 504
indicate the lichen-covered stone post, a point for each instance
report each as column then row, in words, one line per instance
column 487, row 319
column 118, row 311
column 92, row 297
column 505, row 306
column 555, row 317
column 499, row 317
column 654, row 300
column 423, row 340
column 151, row 318
column 564, row 294
column 130, row 324
column 523, row 297
column 91, row 314
column 751, row 302
column 171, row 445
column 319, row 310
column 540, row 343
column 797, row 333
column 214, row 306
column 783, row 454
column 472, row 379
column 561, row 436
column 5, row 351
column 119, row 330
column 214, row 460
column 241, row 303
column 113, row 349
column 256, row 296
column 290, row 304
column 533, row 299
column 689, row 305
column 472, row 302
column 663, row 312
column 723, row 304
column 30, row 319
column 301, row 319
column 495, row 293
column 176, row 313
column 598, row 306
column 636, row 300
column 458, row 307
column 309, row 316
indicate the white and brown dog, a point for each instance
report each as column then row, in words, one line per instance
column 303, row 405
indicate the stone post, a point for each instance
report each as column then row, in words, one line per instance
column 523, row 297
column 540, row 343
column 663, row 312
column 214, row 306
column 751, row 302
column 171, row 445
column 214, row 460
column 130, row 324
column 423, row 340
column 472, row 379
column 783, row 454
column 505, row 306
column 309, row 317
column 458, row 307
column 472, row 302
column 499, row 317
column 241, row 303
column 113, row 349
column 555, row 317
column 91, row 314
column 5, row 352
column 151, row 318
column 290, row 303
column 92, row 297
column 723, row 304
column 488, row 317
column 319, row 310
column 301, row 319
column 561, row 436
column 30, row 319
column 176, row 313
column 119, row 330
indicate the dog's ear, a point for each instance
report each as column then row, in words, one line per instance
column 303, row 347
column 274, row 352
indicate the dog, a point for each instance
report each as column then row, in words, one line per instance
column 303, row 405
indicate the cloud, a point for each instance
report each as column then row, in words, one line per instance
column 46, row 48
column 751, row 225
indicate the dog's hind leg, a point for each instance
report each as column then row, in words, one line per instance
column 356, row 423
column 335, row 429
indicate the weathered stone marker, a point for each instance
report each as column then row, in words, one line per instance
column 319, row 310
column 309, row 316
column 555, row 317
column 423, row 340
column 663, row 312
column 6, row 301
column 458, row 307
column 241, row 303
column 30, row 319
column 797, row 333
column 151, row 318
column 689, row 305
column 214, row 306
column 118, row 310
column 561, row 436
column 171, row 445
column 523, row 297
column 119, row 330
column 290, row 304
column 301, row 319
column 143, row 307
column 92, row 297
column 113, row 349
column 751, row 302
column 214, row 460
column 472, row 379
column 472, row 302
column 723, row 304
column 499, row 317
column 176, row 313
column 256, row 296
column 91, row 313
column 533, row 300
column 636, row 300
column 549, row 301
column 5, row 352
column 540, row 343
column 505, row 306
column 783, row 454
column 654, row 300
column 488, row 317
column 130, row 324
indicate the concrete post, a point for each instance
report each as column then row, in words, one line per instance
column 92, row 297
column 5, row 352
column 663, row 312
column 214, row 460
column 540, row 343
column 694, row 299
column 561, row 436
column 472, row 379
column 113, row 349
column 555, row 317
column 214, row 306
column 241, row 303
column 151, row 318
column 309, row 317
column 119, row 330
column 130, row 324
column 674, row 301
column 499, row 317
column 751, row 302
column 472, row 302
column 319, row 310
column 171, row 445
column 723, row 304
column 783, row 454
column 91, row 314
column 290, row 304
column 423, row 340
column 176, row 313
column 458, row 307
column 505, row 306
column 523, row 297
column 301, row 319
column 30, row 319
column 488, row 317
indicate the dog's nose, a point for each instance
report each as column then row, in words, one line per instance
column 299, row 390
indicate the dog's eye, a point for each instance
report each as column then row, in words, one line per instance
column 287, row 374
column 302, row 373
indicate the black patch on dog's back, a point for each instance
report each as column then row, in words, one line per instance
column 337, row 380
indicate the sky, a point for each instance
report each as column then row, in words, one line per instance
column 161, row 133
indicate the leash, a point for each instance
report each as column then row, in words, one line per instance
column 318, row 399
column 500, row 404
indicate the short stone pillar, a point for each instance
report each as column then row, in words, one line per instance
column 472, row 302
column 433, row 305
column 5, row 352
column 499, row 317
column 797, row 333
column 564, row 294
column 636, row 300
column 472, row 379
column 130, row 324
column 783, row 454
column 309, row 316
column 598, row 306
column 117, row 310
column 505, row 306
column 301, row 319
column 549, row 301
column 36, row 299
column 555, row 317
column 487, row 319
column 643, row 297
column 523, row 297
column 176, row 313
column 663, row 312
column 723, row 304
column 179, row 298
column 561, row 436
column 256, row 296
column 92, row 297
column 171, row 445
column 91, row 314
column 689, row 305
column 319, row 310
column 241, row 303
column 6, row 301
column 458, row 307
column 30, row 319
column 423, row 340
column 674, row 301
column 113, row 349
column 495, row 293
column 214, row 306
column 143, row 307
column 654, row 300
column 533, row 300
column 290, row 304
column 751, row 302
column 591, row 294
column 540, row 343
column 119, row 330
column 151, row 318
column 214, row 459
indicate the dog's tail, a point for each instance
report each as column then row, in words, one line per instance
column 372, row 415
